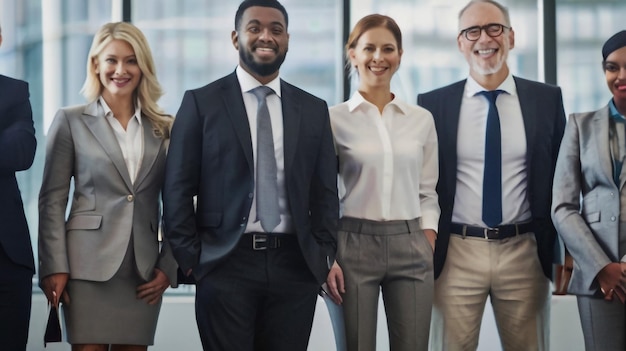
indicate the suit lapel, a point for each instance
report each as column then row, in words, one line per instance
column 103, row 133
column 236, row 108
column 151, row 149
column 600, row 133
column 529, row 108
column 291, row 124
column 452, row 113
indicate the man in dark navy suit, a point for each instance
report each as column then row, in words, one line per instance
column 499, row 138
column 17, row 151
column 258, row 246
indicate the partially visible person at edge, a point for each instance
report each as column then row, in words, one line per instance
column 257, row 152
column 387, row 152
column 590, row 165
column 499, row 137
column 18, row 144
column 103, row 262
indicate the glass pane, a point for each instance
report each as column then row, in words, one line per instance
column 582, row 29
column 191, row 42
column 46, row 44
column 429, row 31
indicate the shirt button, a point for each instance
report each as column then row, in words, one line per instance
column 613, row 218
column 130, row 198
column 250, row 195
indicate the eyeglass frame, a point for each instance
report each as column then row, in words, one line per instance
column 484, row 28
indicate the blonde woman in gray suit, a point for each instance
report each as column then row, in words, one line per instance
column 104, row 261
column 591, row 165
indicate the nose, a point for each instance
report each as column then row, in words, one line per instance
column 120, row 68
column 622, row 73
column 265, row 34
column 378, row 54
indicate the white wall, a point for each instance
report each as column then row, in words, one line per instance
column 177, row 328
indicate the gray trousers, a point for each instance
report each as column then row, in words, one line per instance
column 394, row 257
column 603, row 323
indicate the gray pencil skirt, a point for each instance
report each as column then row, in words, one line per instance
column 109, row 312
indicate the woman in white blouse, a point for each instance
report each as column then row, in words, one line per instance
column 388, row 170
column 103, row 262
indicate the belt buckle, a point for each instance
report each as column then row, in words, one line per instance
column 491, row 233
column 259, row 242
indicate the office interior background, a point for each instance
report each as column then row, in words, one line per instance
column 45, row 42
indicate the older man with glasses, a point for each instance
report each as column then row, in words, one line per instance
column 499, row 137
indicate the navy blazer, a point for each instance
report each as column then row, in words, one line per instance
column 544, row 123
column 17, row 151
column 210, row 156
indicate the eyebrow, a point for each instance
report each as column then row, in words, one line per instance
column 257, row 22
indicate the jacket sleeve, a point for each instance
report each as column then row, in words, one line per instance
column 17, row 135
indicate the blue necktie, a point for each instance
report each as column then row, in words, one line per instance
column 492, row 177
column 266, row 179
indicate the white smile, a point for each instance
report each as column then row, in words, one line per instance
column 486, row 51
column 378, row 69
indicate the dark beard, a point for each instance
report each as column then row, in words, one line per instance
column 262, row 69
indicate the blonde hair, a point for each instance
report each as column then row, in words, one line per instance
column 148, row 91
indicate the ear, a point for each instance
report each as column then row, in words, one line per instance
column 96, row 65
column 511, row 39
column 234, row 37
column 459, row 43
column 0, row 39
column 352, row 56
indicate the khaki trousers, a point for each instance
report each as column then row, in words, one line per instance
column 396, row 257
column 509, row 272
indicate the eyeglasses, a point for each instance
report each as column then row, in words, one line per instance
column 492, row 29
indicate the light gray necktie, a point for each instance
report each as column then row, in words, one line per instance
column 267, row 210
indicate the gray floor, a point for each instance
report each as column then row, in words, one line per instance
column 177, row 329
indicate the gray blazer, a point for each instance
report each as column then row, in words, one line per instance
column 90, row 243
column 589, row 226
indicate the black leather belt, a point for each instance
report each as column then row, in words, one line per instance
column 264, row 241
column 500, row 232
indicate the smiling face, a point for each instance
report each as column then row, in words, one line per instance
column 486, row 56
column 615, row 74
column 262, row 41
column 376, row 57
column 118, row 70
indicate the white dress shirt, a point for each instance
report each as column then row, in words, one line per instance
column 274, row 105
column 130, row 140
column 471, row 156
column 388, row 164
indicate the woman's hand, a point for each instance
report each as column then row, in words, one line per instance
column 609, row 279
column 431, row 235
column 335, row 283
column 152, row 291
column 53, row 287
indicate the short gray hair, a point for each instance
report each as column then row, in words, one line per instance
column 502, row 8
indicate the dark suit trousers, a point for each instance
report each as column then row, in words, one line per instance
column 16, row 287
column 257, row 300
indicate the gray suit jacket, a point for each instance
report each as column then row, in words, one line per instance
column 589, row 226
column 106, row 206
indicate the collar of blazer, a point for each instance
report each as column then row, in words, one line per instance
column 93, row 116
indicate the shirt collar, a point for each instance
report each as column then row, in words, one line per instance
column 247, row 82
column 357, row 100
column 508, row 85
column 614, row 113
column 109, row 113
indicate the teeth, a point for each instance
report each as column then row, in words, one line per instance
column 265, row 49
column 377, row 69
column 486, row 51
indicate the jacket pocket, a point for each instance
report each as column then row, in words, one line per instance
column 84, row 222
column 592, row 217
